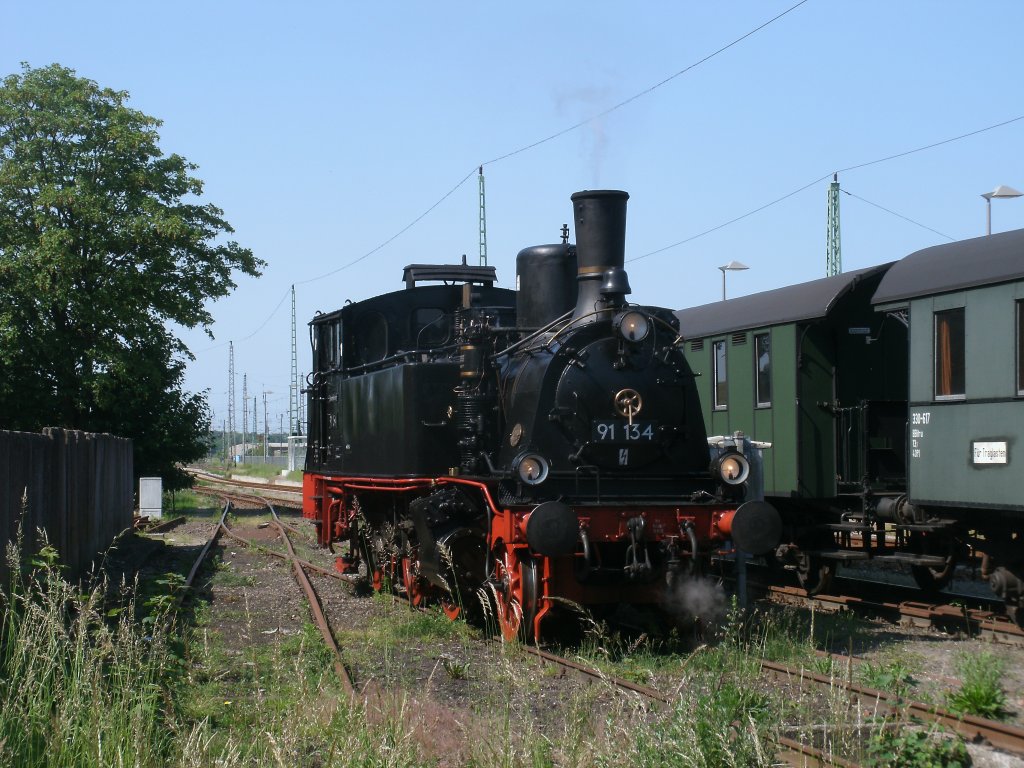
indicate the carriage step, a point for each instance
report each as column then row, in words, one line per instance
column 935, row 526
column 906, row 558
column 842, row 555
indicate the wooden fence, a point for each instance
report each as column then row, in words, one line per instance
column 76, row 486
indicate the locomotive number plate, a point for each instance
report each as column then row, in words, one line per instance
column 621, row 431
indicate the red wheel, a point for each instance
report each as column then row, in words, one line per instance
column 506, row 588
column 451, row 607
column 415, row 591
column 380, row 577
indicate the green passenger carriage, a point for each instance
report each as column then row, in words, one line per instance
column 892, row 397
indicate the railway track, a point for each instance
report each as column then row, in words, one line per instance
column 946, row 617
column 299, row 571
column 793, row 750
column 1001, row 736
column 265, row 489
column 904, row 606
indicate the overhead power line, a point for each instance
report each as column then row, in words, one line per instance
column 932, row 146
column 552, row 137
column 646, row 91
column 788, row 195
column 394, row 237
column 898, row 215
column 686, row 240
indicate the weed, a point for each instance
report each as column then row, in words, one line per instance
column 727, row 726
column 825, row 665
column 893, row 676
column 981, row 692
column 456, row 669
column 901, row 745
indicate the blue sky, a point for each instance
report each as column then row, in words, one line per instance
column 324, row 129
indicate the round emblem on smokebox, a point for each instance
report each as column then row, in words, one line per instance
column 516, row 436
column 628, row 402
column 552, row 529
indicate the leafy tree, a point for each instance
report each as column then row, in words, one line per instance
column 103, row 242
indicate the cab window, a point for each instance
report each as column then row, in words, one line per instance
column 431, row 327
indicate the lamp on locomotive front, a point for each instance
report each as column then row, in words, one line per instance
column 633, row 326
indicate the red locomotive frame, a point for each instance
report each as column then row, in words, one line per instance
column 524, row 585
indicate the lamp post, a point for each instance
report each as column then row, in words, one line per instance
column 732, row 266
column 1002, row 191
column 266, row 429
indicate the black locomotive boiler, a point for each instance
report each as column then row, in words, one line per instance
column 539, row 448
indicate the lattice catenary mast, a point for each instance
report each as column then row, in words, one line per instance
column 483, row 222
column 293, row 387
column 245, row 413
column 833, row 242
column 231, row 392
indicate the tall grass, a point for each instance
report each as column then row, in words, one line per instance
column 79, row 685
column 280, row 704
column 84, row 684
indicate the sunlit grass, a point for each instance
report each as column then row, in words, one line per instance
column 81, row 683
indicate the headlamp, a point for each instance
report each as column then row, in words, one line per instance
column 633, row 326
column 532, row 469
column 731, row 468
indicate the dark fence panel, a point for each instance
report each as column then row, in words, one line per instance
column 74, row 485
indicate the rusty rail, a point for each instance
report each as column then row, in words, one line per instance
column 942, row 616
column 791, row 751
column 315, row 607
column 214, row 535
column 999, row 735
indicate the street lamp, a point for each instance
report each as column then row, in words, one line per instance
column 266, row 429
column 732, row 266
column 999, row 192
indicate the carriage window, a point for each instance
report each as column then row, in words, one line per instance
column 1020, row 347
column 949, row 354
column 763, row 361
column 721, row 383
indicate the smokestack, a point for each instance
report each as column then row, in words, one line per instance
column 600, row 221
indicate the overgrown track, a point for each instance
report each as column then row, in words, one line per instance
column 264, row 489
column 998, row 735
column 943, row 616
column 298, row 568
column 792, row 752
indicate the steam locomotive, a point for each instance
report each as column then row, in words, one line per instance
column 522, row 454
